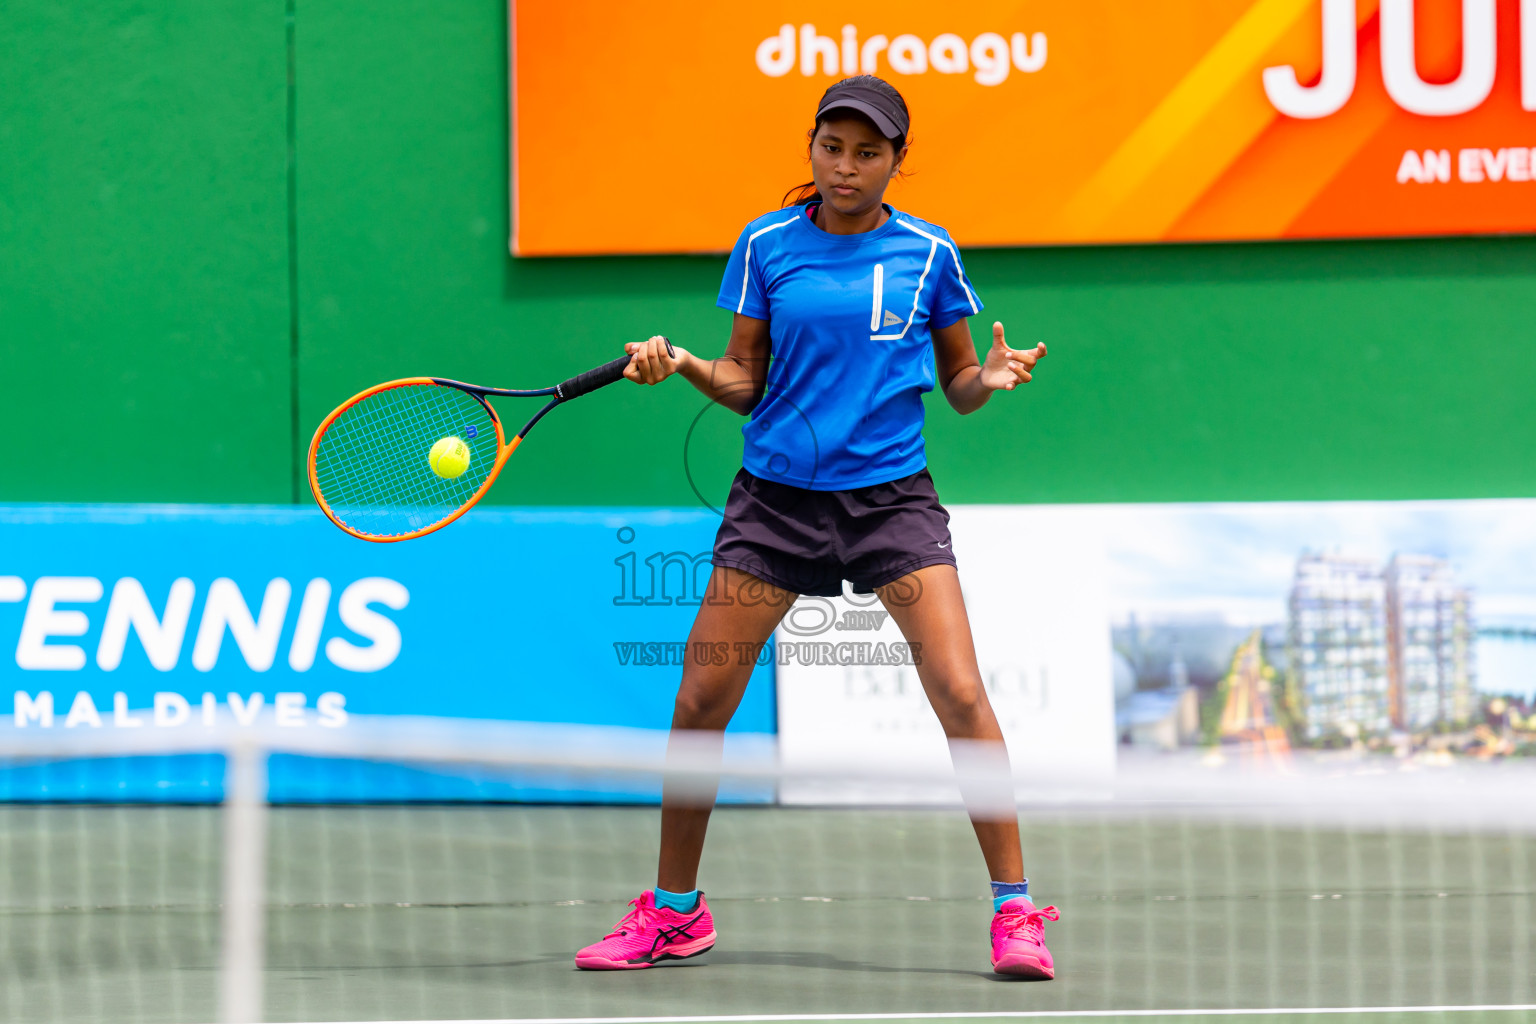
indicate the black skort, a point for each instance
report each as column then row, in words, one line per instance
column 808, row 542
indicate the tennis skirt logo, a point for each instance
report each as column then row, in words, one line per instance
column 989, row 57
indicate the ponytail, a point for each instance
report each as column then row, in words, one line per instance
column 804, row 195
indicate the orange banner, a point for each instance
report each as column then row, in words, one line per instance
column 666, row 126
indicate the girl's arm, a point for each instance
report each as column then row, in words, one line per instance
column 968, row 383
column 735, row 380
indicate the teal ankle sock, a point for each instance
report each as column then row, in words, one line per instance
column 682, row 902
column 1002, row 892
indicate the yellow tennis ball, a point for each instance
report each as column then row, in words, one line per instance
column 449, row 458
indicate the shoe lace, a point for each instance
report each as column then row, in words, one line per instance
column 636, row 920
column 1031, row 923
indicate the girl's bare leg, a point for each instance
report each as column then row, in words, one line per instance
column 928, row 607
column 740, row 609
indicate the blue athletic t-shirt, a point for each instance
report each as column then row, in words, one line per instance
column 849, row 319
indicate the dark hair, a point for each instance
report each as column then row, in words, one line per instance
column 807, row 194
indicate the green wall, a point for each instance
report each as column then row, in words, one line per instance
column 166, row 289
column 143, row 252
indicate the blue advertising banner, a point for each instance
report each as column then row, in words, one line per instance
column 138, row 617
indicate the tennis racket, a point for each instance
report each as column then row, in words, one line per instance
column 369, row 463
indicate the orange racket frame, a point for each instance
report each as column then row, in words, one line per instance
column 565, row 391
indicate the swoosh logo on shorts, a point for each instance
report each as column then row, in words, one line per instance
column 945, row 544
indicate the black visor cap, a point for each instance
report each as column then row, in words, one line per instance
column 890, row 120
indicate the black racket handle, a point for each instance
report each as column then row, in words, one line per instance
column 599, row 377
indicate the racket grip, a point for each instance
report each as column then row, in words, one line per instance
column 600, row 377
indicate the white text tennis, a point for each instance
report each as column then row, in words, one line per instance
column 224, row 611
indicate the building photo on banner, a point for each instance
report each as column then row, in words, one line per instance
column 463, row 556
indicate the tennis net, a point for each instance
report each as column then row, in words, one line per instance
column 270, row 892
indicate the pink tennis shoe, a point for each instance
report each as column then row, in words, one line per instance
column 1018, row 939
column 649, row 934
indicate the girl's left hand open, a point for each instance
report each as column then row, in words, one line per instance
column 1006, row 368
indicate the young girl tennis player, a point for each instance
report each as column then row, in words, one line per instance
column 839, row 300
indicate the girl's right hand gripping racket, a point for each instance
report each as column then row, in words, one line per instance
column 369, row 464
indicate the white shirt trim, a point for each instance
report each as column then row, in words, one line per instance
column 746, row 262
column 955, row 257
column 917, row 296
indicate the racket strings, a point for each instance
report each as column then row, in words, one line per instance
column 371, row 464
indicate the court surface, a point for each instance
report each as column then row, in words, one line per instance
column 441, row 913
